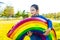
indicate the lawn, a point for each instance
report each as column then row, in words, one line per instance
column 6, row 25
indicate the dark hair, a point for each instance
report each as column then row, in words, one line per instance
column 35, row 6
column 28, row 32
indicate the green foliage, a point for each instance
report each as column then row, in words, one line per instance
column 24, row 15
column 17, row 14
column 21, row 14
column 8, row 11
column 55, row 16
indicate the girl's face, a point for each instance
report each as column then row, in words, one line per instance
column 29, row 33
column 33, row 11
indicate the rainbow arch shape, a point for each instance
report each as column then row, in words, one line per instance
column 35, row 24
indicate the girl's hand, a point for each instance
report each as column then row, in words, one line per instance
column 47, row 31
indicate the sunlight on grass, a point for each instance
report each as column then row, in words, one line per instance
column 5, row 26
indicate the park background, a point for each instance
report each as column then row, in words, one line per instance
column 12, row 11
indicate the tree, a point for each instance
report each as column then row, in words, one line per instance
column 8, row 11
column 17, row 14
column 24, row 15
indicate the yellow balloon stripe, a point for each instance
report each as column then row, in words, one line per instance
column 28, row 25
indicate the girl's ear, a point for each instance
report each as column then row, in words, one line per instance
column 37, row 11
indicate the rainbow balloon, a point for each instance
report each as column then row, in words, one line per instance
column 36, row 25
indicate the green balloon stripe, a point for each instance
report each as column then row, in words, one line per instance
column 33, row 28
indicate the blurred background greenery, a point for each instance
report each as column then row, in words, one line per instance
column 9, row 12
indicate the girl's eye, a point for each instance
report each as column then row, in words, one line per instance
column 32, row 10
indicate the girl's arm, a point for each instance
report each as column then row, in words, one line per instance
column 47, row 31
column 49, row 28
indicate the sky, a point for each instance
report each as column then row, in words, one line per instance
column 45, row 6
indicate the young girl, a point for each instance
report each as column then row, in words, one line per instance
column 34, row 9
column 27, row 37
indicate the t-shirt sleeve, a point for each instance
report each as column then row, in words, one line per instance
column 49, row 23
column 26, row 38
